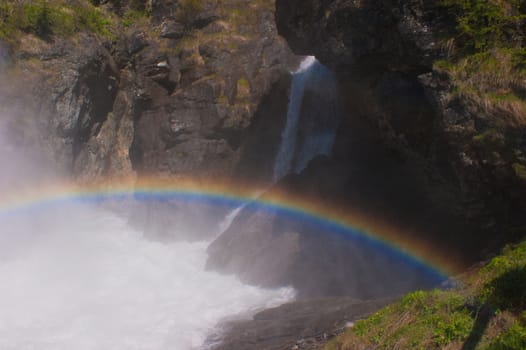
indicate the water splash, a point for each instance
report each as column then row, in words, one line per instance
column 78, row 277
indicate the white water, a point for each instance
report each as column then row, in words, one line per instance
column 294, row 154
column 81, row 278
column 282, row 164
column 229, row 218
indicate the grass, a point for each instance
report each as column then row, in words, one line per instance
column 51, row 18
column 520, row 171
column 189, row 11
column 490, row 139
column 420, row 320
column 487, row 58
column 514, row 338
column 488, row 312
column 134, row 16
column 491, row 83
column 484, row 24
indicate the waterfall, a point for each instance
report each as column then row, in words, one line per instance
column 228, row 219
column 312, row 118
column 311, row 122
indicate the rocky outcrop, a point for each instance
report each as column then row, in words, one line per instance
column 60, row 95
column 307, row 324
column 153, row 101
column 409, row 151
column 390, row 34
column 272, row 248
column 198, row 93
column 184, row 90
column 465, row 157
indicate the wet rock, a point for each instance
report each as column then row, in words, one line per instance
column 384, row 53
column 266, row 248
column 5, row 56
column 305, row 324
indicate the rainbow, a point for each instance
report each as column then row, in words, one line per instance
column 334, row 218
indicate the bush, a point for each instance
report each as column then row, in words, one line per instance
column 133, row 16
column 47, row 18
column 513, row 339
column 37, row 18
column 189, row 11
column 482, row 24
column 508, row 290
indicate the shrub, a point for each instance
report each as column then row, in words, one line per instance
column 189, row 11
column 133, row 16
column 520, row 171
column 513, row 339
column 47, row 18
column 508, row 290
column 37, row 18
column 482, row 24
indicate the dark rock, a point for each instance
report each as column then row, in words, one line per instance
column 5, row 56
column 172, row 30
column 383, row 52
column 305, row 324
column 261, row 142
column 200, row 97
column 266, row 247
column 366, row 34
column 137, row 42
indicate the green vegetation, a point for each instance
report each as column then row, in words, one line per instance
column 514, row 338
column 133, row 16
column 189, row 11
column 47, row 18
column 487, row 57
column 520, row 171
column 421, row 320
column 490, row 139
column 489, row 312
column 484, row 24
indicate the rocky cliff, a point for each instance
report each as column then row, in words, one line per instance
column 444, row 102
column 167, row 87
column 431, row 141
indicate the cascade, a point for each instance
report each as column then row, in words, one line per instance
column 228, row 219
column 312, row 118
column 310, row 128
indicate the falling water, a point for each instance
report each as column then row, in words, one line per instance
column 311, row 124
column 228, row 219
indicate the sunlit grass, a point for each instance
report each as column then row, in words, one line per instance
column 488, row 312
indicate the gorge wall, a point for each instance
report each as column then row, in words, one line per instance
column 412, row 150
column 453, row 153
column 173, row 91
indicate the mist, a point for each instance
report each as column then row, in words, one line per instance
column 76, row 275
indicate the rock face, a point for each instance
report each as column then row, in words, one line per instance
column 197, row 95
column 176, row 94
column 194, row 89
column 383, row 52
column 397, row 35
column 307, row 324
column 271, row 249
column 408, row 151
column 61, row 96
